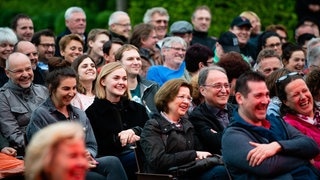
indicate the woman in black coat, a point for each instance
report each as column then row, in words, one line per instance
column 116, row 121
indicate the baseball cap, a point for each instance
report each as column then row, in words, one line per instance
column 181, row 27
column 229, row 42
column 240, row 21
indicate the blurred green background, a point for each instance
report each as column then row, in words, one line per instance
column 50, row 13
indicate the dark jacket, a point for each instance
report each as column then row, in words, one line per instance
column 108, row 119
column 204, row 39
column 165, row 145
column 292, row 162
column 148, row 89
column 203, row 119
column 122, row 38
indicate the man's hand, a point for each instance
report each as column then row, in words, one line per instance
column 261, row 152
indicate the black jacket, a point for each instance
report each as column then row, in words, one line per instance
column 203, row 120
column 204, row 39
column 108, row 119
column 165, row 145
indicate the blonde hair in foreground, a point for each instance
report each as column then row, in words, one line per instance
column 41, row 148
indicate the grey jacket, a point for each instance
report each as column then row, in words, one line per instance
column 148, row 89
column 47, row 114
column 17, row 104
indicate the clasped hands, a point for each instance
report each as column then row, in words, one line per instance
column 128, row 137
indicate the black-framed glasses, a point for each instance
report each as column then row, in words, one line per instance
column 282, row 78
column 274, row 45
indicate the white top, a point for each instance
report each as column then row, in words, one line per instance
column 82, row 101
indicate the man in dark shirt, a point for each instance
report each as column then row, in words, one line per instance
column 201, row 19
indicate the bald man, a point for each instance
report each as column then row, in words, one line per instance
column 18, row 98
column 31, row 51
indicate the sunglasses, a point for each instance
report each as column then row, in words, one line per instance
column 282, row 78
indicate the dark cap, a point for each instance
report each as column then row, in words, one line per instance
column 181, row 27
column 240, row 21
column 229, row 42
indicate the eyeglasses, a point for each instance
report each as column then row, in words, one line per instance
column 283, row 38
column 274, row 45
column 188, row 98
column 124, row 25
column 218, row 86
column 282, row 78
column 318, row 67
column 160, row 21
column 20, row 71
column 178, row 49
column 46, row 46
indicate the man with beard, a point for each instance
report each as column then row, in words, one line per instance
column 44, row 40
column 18, row 98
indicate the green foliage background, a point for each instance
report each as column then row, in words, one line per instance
column 49, row 13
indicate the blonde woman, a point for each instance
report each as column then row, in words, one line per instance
column 116, row 120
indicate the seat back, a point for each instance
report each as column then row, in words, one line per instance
column 140, row 159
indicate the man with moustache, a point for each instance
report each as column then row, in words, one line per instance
column 18, row 98
column 30, row 50
column 212, row 116
column 266, row 146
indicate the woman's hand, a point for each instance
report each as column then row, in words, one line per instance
column 92, row 163
column 128, row 137
column 9, row 151
column 202, row 154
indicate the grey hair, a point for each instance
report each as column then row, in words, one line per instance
column 114, row 17
column 7, row 35
column 203, row 74
column 311, row 44
column 72, row 10
column 147, row 18
column 168, row 41
column 265, row 53
column 313, row 55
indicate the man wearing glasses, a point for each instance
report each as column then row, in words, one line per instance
column 120, row 25
column 18, row 98
column 212, row 116
column 173, row 51
column 44, row 40
column 159, row 18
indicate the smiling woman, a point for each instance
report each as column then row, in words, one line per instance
column 116, row 120
column 298, row 108
column 61, row 82
column 168, row 139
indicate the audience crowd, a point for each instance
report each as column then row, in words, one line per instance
column 248, row 96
